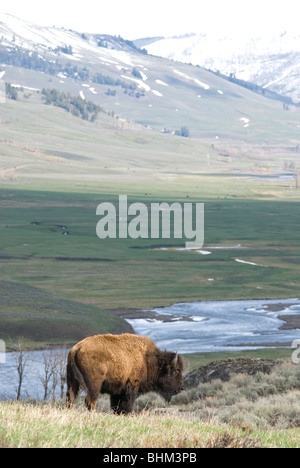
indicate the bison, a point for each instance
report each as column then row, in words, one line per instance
column 124, row 366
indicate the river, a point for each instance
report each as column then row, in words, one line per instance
column 221, row 325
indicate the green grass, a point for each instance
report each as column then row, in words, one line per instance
column 27, row 426
column 44, row 319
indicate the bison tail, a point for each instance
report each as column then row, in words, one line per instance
column 74, row 376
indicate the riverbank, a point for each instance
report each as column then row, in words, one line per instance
column 150, row 315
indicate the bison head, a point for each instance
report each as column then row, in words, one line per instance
column 169, row 381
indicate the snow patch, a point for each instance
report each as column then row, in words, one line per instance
column 121, row 56
column 161, row 83
column 140, row 83
column 246, row 121
column 25, row 87
column 249, row 263
column 225, row 247
column 195, row 80
column 144, row 76
column 157, row 93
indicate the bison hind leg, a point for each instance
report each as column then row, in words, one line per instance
column 91, row 397
column 72, row 390
column 90, row 403
column 70, row 397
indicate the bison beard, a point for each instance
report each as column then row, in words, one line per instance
column 124, row 366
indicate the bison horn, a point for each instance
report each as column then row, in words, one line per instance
column 175, row 360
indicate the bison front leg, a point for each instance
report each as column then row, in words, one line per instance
column 123, row 402
column 121, row 405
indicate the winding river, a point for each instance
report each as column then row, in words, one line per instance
column 222, row 325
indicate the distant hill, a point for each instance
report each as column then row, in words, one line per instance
column 272, row 61
column 129, row 84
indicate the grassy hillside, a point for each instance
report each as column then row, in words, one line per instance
column 45, row 319
column 57, row 428
column 46, row 147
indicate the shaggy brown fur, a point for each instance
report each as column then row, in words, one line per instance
column 123, row 366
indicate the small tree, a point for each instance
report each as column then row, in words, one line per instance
column 48, row 372
column 136, row 73
column 21, row 356
column 60, row 359
column 54, row 372
column 11, row 92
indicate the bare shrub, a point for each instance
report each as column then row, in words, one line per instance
column 54, row 375
column 21, row 357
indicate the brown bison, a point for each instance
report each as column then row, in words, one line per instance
column 124, row 366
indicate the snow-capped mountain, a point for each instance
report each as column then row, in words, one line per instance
column 271, row 61
column 132, row 86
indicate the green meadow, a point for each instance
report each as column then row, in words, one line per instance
column 49, row 243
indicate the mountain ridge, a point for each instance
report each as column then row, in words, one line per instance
column 272, row 61
column 130, row 84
